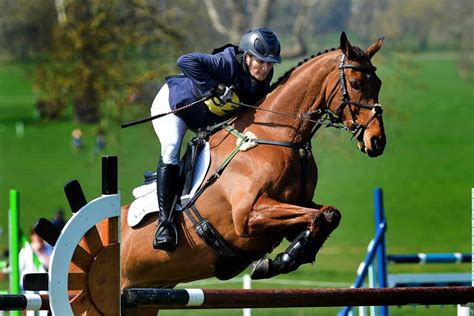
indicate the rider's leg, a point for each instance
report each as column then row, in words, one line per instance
column 170, row 129
column 166, row 236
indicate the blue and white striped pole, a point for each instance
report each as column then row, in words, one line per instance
column 422, row 258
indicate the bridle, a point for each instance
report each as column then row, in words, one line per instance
column 331, row 118
column 335, row 117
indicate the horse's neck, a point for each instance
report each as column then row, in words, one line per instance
column 301, row 93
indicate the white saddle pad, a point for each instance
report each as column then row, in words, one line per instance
column 146, row 200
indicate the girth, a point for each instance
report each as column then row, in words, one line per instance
column 209, row 234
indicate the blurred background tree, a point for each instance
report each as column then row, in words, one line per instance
column 103, row 52
column 26, row 28
column 99, row 55
column 420, row 25
column 298, row 21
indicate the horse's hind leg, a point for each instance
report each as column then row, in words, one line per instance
column 305, row 246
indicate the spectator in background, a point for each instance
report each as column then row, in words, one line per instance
column 34, row 258
column 58, row 219
column 77, row 144
column 99, row 140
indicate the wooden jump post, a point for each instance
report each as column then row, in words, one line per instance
column 100, row 291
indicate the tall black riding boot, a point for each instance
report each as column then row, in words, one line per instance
column 166, row 236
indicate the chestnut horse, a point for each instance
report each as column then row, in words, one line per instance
column 265, row 193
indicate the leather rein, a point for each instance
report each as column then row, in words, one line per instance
column 334, row 118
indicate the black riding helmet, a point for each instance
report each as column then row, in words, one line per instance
column 263, row 43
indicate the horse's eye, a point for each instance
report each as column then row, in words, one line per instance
column 355, row 84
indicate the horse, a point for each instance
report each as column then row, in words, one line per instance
column 265, row 194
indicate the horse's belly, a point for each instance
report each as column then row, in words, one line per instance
column 143, row 266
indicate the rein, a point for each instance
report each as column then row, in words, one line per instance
column 334, row 119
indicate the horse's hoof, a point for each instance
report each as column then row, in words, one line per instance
column 260, row 269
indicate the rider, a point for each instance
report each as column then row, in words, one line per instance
column 247, row 69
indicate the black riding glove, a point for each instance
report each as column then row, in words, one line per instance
column 222, row 93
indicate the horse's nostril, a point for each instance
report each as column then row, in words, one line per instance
column 375, row 144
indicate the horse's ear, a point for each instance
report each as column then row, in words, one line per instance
column 374, row 47
column 346, row 47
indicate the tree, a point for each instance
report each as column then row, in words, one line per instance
column 420, row 25
column 102, row 49
column 26, row 27
column 416, row 25
column 233, row 18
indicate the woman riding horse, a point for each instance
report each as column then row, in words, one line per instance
column 248, row 69
column 265, row 194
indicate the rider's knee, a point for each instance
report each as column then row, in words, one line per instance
column 170, row 154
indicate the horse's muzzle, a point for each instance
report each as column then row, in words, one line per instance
column 373, row 146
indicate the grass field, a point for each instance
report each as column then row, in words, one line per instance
column 426, row 171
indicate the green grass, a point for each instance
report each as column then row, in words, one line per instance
column 426, row 171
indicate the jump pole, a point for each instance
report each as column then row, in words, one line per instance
column 16, row 302
column 283, row 298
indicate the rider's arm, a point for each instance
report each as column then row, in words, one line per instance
column 205, row 70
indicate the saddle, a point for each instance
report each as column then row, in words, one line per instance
column 186, row 169
column 193, row 168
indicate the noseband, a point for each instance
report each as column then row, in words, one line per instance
column 335, row 117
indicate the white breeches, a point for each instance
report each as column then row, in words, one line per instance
column 170, row 128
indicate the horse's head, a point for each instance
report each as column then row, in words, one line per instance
column 358, row 87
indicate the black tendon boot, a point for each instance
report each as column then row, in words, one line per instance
column 297, row 253
column 166, row 236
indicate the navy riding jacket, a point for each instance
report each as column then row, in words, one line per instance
column 201, row 73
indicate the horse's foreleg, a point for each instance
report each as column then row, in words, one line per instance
column 314, row 225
